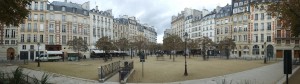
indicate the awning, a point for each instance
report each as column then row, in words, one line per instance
column 98, row 51
column 54, row 52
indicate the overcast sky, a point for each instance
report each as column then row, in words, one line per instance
column 156, row 13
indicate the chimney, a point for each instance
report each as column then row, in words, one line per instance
column 96, row 7
column 66, row 1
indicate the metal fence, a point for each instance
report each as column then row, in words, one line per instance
column 4, row 78
column 124, row 72
column 108, row 70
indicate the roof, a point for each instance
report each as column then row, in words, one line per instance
column 72, row 5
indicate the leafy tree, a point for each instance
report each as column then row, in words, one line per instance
column 13, row 12
column 205, row 43
column 105, row 44
column 226, row 44
column 173, row 42
column 288, row 14
column 78, row 44
column 123, row 44
column 193, row 44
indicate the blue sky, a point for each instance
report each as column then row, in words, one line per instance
column 156, row 13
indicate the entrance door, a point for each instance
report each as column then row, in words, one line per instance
column 279, row 54
column 10, row 54
column 270, row 51
column 31, row 55
column 24, row 55
column 240, row 53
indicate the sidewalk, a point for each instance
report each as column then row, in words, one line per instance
column 270, row 74
column 263, row 75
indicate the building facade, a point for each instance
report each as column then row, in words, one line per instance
column 101, row 25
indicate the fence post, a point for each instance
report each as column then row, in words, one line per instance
column 101, row 71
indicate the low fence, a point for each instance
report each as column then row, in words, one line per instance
column 125, row 71
column 106, row 71
column 4, row 78
column 18, row 62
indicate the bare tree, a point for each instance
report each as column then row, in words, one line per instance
column 226, row 46
column 173, row 42
column 123, row 44
column 205, row 43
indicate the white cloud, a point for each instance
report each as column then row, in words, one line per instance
column 156, row 13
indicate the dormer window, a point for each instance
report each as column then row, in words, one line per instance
column 51, row 7
column 74, row 10
column 63, row 8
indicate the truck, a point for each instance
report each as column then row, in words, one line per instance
column 49, row 56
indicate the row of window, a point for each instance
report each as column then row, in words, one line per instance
column 35, row 17
column 262, row 26
column 287, row 41
column 255, row 38
column 36, row 6
column 262, row 16
column 10, row 33
column 10, row 42
column 41, row 37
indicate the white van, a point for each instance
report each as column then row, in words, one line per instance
column 50, row 56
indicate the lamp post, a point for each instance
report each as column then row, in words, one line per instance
column 265, row 56
column 38, row 55
column 185, row 53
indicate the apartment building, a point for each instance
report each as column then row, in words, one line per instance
column 9, row 47
column 240, row 28
column 208, row 25
column 101, row 25
column 223, row 23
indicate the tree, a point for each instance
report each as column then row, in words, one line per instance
column 13, row 12
column 104, row 44
column 78, row 44
column 192, row 44
column 205, row 43
column 226, row 46
column 173, row 42
column 139, row 42
column 288, row 14
column 122, row 44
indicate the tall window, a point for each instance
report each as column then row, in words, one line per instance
column 262, row 26
column 41, row 27
column 28, row 37
column 29, row 27
column 278, row 33
column 255, row 50
column 262, row 16
column 256, row 37
column 296, row 41
column 35, row 17
column 51, row 28
column 255, row 26
column 63, row 28
column 24, row 47
column 226, row 30
column 22, row 28
column 22, row 38
column 245, row 38
column 29, row 16
column 34, row 38
column 269, row 25
column 63, row 8
column 41, row 17
column 269, row 39
column 63, row 17
column 262, row 38
column 287, row 42
column 35, row 27
column 269, row 16
column 51, row 39
column 36, row 5
column 6, row 33
column 256, row 17
column 85, row 39
column 64, row 39
column 13, row 33
column 41, row 38
column 288, row 33
column 278, row 41
column 51, row 17
column 41, row 5
column 75, row 29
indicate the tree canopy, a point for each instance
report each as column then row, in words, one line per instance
column 13, row 12
column 288, row 13
column 78, row 44
column 122, row 43
column 173, row 42
column 105, row 44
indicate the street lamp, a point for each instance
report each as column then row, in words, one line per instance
column 265, row 55
column 185, row 53
column 38, row 55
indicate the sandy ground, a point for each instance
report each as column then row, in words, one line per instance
column 154, row 71
column 295, row 78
